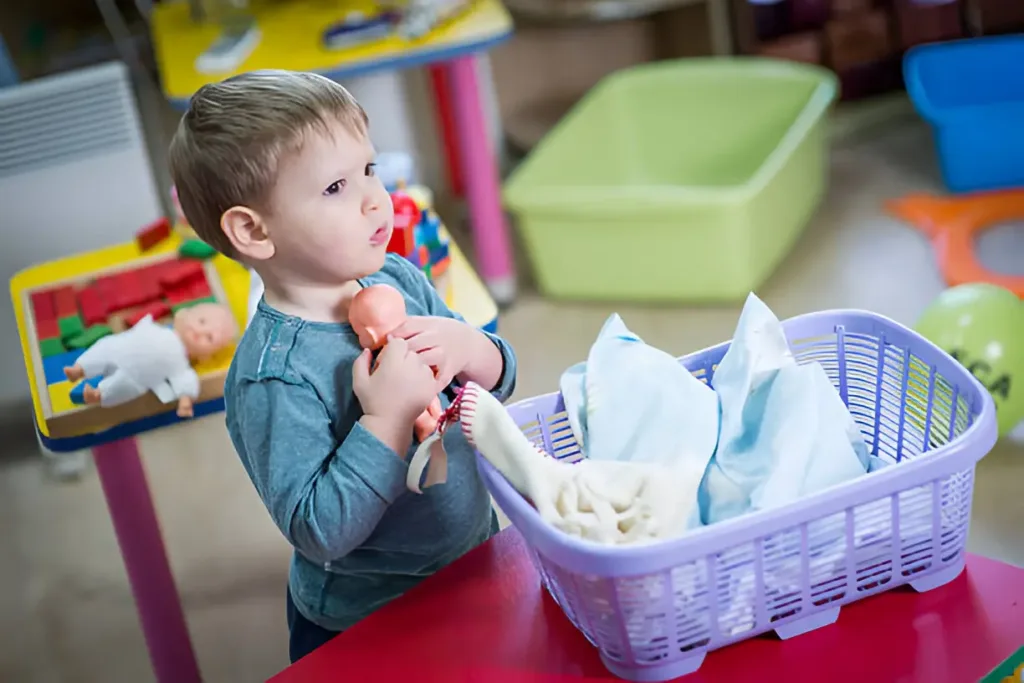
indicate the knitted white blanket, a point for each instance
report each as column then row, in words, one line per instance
column 607, row 502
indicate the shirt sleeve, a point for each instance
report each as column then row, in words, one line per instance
column 100, row 358
column 419, row 286
column 185, row 383
column 325, row 494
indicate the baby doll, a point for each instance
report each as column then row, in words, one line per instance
column 157, row 358
column 375, row 312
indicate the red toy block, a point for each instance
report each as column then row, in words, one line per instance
column 406, row 210
column 179, row 273
column 403, row 239
column 93, row 306
column 107, row 289
column 200, row 289
column 188, row 291
column 47, row 328
column 158, row 310
column 153, row 234
column 43, row 306
column 130, row 289
column 64, row 302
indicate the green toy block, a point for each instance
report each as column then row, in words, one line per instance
column 71, row 326
column 194, row 302
column 51, row 347
column 1006, row 670
column 196, row 249
column 89, row 337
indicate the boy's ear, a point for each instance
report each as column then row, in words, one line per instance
column 247, row 233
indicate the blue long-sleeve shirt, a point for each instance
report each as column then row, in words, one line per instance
column 336, row 492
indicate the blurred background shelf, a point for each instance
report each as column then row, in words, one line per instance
column 561, row 12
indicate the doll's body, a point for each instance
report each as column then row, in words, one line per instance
column 375, row 312
column 153, row 357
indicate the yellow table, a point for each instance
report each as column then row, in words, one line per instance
column 116, row 454
column 291, row 38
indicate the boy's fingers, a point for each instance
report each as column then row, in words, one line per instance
column 422, row 343
column 361, row 368
column 432, row 357
column 396, row 347
column 445, row 375
column 411, row 327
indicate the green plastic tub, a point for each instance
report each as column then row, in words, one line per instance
column 686, row 180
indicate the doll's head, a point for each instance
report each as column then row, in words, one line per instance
column 374, row 313
column 205, row 329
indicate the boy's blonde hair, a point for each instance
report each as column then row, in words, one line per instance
column 231, row 140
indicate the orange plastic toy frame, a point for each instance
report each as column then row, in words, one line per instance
column 952, row 223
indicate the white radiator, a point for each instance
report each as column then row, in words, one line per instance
column 74, row 176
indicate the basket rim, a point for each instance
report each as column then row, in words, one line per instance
column 964, row 451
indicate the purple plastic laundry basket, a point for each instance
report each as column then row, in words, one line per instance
column 653, row 611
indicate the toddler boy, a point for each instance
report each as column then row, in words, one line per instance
column 275, row 169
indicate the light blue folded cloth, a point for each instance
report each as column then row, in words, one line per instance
column 633, row 402
column 768, row 434
column 785, row 431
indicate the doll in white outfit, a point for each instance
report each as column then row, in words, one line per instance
column 155, row 357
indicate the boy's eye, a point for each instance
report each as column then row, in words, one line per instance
column 370, row 169
column 335, row 187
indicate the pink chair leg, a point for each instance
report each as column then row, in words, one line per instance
column 480, row 176
column 149, row 573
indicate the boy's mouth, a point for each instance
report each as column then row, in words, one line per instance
column 380, row 236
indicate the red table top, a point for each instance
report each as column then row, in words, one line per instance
column 486, row 618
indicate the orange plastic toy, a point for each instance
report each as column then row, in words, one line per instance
column 374, row 313
column 952, row 224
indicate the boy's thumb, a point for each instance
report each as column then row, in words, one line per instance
column 361, row 368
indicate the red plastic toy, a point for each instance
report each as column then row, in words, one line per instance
column 153, row 234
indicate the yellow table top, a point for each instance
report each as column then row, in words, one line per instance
column 291, row 38
column 469, row 297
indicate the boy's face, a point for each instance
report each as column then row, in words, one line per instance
column 330, row 217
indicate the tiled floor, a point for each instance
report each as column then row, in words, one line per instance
column 66, row 614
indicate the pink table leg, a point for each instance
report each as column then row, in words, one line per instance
column 149, row 573
column 480, row 175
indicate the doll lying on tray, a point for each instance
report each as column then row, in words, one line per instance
column 154, row 357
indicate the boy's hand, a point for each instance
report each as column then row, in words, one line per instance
column 454, row 348
column 400, row 388
column 445, row 344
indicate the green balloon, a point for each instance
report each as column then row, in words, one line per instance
column 982, row 326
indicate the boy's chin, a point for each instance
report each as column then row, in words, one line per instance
column 371, row 265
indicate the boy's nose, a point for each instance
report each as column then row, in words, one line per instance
column 370, row 203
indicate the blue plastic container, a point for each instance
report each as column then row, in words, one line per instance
column 972, row 93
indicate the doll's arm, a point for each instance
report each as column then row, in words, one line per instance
column 185, row 385
column 100, row 359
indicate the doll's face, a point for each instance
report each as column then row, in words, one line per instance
column 205, row 329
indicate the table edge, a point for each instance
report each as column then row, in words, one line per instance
column 395, row 63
